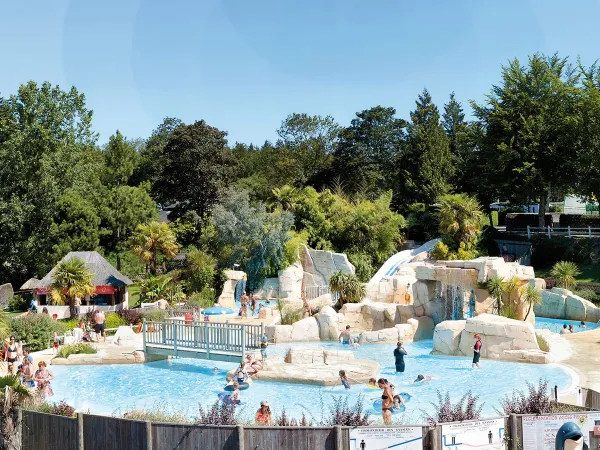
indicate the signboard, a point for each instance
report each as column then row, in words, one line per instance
column 539, row 432
column 401, row 438
column 105, row 289
column 483, row 434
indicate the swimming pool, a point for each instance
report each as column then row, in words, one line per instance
column 183, row 384
column 556, row 325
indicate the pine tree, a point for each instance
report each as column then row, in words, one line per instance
column 427, row 163
column 461, row 140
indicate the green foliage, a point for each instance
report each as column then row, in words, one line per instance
column 531, row 297
column 70, row 324
column 76, row 349
column 587, row 293
column 292, row 246
column 422, row 223
column 36, row 330
column 18, row 303
column 200, row 270
column 149, row 241
column 166, row 286
column 542, row 342
column 160, row 412
column 347, row 286
column 114, row 320
column 290, row 314
column 203, row 299
column 120, row 157
column 459, row 218
column 154, row 315
column 72, row 281
column 250, row 236
column 129, row 263
column 565, row 273
column 363, row 266
column 196, row 167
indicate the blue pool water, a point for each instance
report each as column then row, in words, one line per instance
column 183, row 384
column 556, row 325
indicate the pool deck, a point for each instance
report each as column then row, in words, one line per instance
column 585, row 357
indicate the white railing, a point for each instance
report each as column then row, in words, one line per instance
column 559, row 231
column 315, row 291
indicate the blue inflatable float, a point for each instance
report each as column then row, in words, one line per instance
column 242, row 387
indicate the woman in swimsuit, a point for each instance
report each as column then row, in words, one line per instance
column 254, row 364
column 476, row 351
column 386, row 400
column 263, row 415
column 43, row 377
column 399, row 353
column 12, row 354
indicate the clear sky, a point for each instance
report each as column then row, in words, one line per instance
column 244, row 65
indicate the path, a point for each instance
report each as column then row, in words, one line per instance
column 585, row 357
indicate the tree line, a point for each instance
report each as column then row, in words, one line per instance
column 359, row 188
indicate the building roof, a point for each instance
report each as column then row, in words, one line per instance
column 30, row 284
column 104, row 273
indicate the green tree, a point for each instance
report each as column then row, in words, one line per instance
column 565, row 273
column 531, row 297
column 347, row 287
column 150, row 241
column 197, row 166
column 365, row 157
column 250, row 236
column 13, row 394
column 531, row 120
column 459, row 218
column 460, row 138
column 121, row 159
column 427, row 164
column 71, row 282
column 311, row 140
column 496, row 286
column 200, row 270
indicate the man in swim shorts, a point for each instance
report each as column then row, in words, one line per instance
column 99, row 325
column 345, row 336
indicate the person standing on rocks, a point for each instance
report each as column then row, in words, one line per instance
column 477, row 351
column 399, row 353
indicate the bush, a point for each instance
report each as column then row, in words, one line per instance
column 76, row 349
column 132, row 316
column 70, row 324
column 542, row 343
column 62, row 409
column 289, row 313
column 36, row 330
column 467, row 408
column 202, row 299
column 18, row 303
column 218, row 414
column 154, row 315
column 535, row 401
column 587, row 293
column 160, row 412
column 114, row 320
column 348, row 416
column 363, row 265
column 520, row 221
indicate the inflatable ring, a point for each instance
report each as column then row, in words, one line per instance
column 242, row 387
column 405, row 396
column 377, row 411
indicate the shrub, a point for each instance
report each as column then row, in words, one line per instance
column 289, row 313
column 550, row 283
column 154, row 315
column 341, row 413
column 114, row 320
column 62, row 408
column 364, row 266
column 587, row 293
column 36, row 330
column 535, row 401
column 202, row 299
column 565, row 274
column 132, row 316
column 70, row 324
column 579, row 221
column 18, row 303
column 347, row 286
column 542, row 343
column 160, row 412
column 467, row 408
column 76, row 349
column 218, row 414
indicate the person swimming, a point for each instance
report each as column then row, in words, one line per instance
column 583, row 324
column 396, row 402
column 422, row 378
column 344, row 379
column 372, row 383
column 215, row 370
column 345, row 336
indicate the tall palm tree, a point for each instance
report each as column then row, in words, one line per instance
column 12, row 395
column 347, row 286
column 565, row 273
column 459, row 218
column 531, row 296
column 151, row 240
column 72, row 281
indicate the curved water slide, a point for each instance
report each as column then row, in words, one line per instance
column 390, row 267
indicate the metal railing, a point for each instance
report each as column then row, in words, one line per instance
column 558, row 231
column 315, row 291
column 203, row 336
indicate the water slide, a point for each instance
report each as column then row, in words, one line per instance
column 390, row 267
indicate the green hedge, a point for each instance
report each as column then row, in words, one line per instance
column 547, row 252
column 36, row 330
column 520, row 221
column 576, row 221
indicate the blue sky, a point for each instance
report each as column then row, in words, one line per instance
column 243, row 66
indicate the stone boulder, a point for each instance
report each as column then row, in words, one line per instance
column 290, row 281
column 423, row 328
column 226, row 299
column 337, row 356
column 563, row 304
column 321, row 301
column 305, row 330
column 385, row 336
column 313, row 355
column 6, row 293
column 269, row 288
column 330, row 323
column 126, row 337
column 321, row 264
column 279, row 333
column 446, row 336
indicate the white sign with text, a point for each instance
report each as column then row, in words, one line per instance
column 401, row 438
column 483, row 434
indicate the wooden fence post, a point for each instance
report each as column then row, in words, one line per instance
column 339, row 438
column 569, row 230
column 435, row 441
column 528, row 232
column 148, row 435
column 514, row 432
column 80, row 440
column 240, row 433
column 549, row 235
column 243, row 340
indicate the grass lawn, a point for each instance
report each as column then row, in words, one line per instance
column 134, row 295
column 486, row 220
column 590, row 273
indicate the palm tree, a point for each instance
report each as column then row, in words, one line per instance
column 565, row 273
column 347, row 286
column 497, row 288
column 460, row 223
column 151, row 240
column 72, row 281
column 12, row 395
column 531, row 296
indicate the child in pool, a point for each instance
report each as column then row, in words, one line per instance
column 372, row 383
column 397, row 402
column 344, row 379
column 422, row 378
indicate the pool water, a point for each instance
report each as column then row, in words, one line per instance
column 556, row 325
column 183, row 384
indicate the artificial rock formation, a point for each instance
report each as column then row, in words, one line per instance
column 416, row 329
column 303, row 330
column 227, row 297
column 6, row 293
column 502, row 338
column 563, row 304
column 319, row 265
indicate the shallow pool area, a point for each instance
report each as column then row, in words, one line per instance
column 555, row 325
column 183, row 384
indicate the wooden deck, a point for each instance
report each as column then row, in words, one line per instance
column 203, row 340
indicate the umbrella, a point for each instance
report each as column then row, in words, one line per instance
column 217, row 311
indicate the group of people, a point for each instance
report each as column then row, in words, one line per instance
column 570, row 329
column 13, row 354
column 246, row 301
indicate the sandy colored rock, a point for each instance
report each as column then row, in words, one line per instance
column 305, row 330
column 423, row 327
column 337, row 356
column 125, row 336
column 321, row 301
column 6, row 293
column 314, row 355
column 321, row 264
column 226, row 299
column 384, row 336
column 290, row 281
column 279, row 333
column 446, row 336
column 330, row 324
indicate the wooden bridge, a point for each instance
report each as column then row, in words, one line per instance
column 203, row 340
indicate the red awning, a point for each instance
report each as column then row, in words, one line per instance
column 99, row 290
